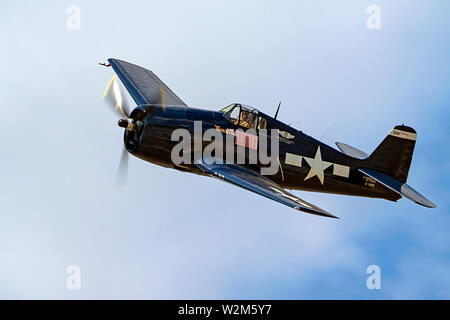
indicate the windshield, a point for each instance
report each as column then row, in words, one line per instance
column 228, row 109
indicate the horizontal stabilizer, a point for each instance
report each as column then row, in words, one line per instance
column 402, row 189
column 351, row 151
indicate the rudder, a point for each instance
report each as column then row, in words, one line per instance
column 393, row 156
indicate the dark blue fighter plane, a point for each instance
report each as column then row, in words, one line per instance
column 304, row 163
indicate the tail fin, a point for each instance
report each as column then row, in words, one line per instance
column 393, row 156
column 389, row 164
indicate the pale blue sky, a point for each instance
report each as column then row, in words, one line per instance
column 174, row 235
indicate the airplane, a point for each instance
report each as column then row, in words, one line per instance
column 303, row 163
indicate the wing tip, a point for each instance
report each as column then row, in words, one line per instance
column 427, row 203
column 321, row 213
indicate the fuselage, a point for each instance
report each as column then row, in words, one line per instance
column 304, row 163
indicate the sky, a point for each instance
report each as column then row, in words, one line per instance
column 172, row 235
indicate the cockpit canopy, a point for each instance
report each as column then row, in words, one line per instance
column 244, row 116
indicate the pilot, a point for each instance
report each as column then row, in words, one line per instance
column 245, row 121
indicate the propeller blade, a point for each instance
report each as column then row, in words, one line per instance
column 122, row 170
column 115, row 98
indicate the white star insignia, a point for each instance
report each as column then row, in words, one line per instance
column 317, row 166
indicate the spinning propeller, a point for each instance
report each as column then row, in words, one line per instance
column 114, row 97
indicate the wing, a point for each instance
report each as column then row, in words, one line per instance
column 259, row 184
column 143, row 85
